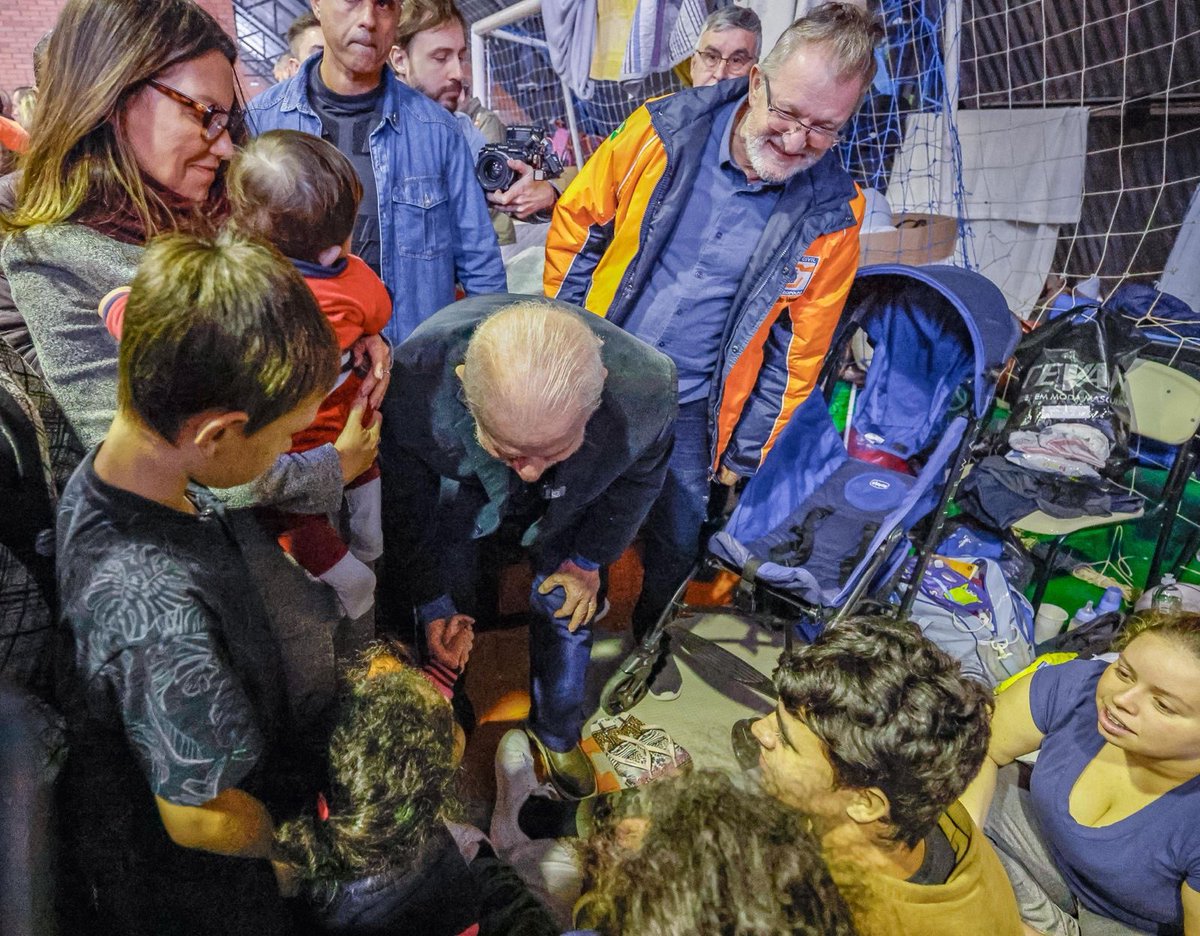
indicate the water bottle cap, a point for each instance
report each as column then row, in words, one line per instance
column 1111, row 600
column 1168, row 579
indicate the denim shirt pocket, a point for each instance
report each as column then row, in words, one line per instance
column 421, row 206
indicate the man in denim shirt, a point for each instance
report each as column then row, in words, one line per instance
column 425, row 224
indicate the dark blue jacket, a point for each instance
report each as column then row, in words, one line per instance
column 595, row 501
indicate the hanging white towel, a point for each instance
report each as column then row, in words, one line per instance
column 1022, row 177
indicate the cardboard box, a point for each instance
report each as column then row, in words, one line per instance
column 915, row 240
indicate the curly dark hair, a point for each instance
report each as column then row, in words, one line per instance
column 894, row 712
column 391, row 779
column 715, row 859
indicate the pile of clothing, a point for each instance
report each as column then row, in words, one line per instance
column 998, row 493
column 1067, row 435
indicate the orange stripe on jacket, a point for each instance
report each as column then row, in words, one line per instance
column 634, row 155
column 814, row 316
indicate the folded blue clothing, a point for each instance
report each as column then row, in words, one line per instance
column 998, row 493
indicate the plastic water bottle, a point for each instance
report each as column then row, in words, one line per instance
column 1083, row 616
column 1167, row 597
column 1110, row 601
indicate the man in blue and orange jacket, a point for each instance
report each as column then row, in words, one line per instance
column 714, row 225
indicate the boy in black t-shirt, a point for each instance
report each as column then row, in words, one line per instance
column 176, row 715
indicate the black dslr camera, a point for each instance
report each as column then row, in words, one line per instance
column 528, row 144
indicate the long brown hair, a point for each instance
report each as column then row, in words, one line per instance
column 100, row 53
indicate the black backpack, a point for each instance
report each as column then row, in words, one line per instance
column 37, row 454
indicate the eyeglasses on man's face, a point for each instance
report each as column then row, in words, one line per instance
column 824, row 136
column 737, row 64
column 215, row 120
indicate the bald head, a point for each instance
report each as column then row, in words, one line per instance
column 533, row 377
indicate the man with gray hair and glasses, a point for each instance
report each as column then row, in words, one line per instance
column 728, row 46
column 715, row 225
column 532, row 423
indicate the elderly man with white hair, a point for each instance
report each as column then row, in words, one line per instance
column 552, row 424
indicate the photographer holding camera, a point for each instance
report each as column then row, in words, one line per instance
column 430, row 56
column 517, row 173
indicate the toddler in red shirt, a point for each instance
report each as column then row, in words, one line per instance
column 300, row 194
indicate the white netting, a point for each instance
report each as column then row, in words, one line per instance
column 1063, row 138
column 524, row 89
column 1109, row 92
column 1059, row 143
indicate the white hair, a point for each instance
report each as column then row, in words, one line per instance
column 535, row 368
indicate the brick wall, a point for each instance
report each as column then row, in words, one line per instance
column 24, row 22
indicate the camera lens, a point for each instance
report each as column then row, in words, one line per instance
column 493, row 173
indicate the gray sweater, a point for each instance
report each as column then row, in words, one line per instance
column 58, row 274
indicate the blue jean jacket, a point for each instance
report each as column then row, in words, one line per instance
column 433, row 221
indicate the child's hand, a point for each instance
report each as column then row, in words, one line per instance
column 358, row 445
column 373, row 350
column 450, row 640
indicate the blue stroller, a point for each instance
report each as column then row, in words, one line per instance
column 828, row 522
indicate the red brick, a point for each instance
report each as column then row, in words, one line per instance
column 24, row 26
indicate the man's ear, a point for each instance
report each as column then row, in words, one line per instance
column 208, row 431
column 315, row 5
column 398, row 59
column 868, row 805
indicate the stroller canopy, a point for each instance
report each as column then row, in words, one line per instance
column 976, row 301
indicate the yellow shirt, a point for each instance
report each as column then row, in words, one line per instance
column 976, row 900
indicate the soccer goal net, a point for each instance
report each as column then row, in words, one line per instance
column 512, row 75
column 1054, row 147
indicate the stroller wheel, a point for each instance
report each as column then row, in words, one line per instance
column 624, row 693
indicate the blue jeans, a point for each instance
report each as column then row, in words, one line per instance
column 671, row 533
column 558, row 665
column 558, row 659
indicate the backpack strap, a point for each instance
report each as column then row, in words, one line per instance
column 851, row 560
column 798, row 547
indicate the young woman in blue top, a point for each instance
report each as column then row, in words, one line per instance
column 1107, row 838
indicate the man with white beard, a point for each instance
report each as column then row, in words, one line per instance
column 715, row 226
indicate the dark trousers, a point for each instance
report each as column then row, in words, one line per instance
column 671, row 533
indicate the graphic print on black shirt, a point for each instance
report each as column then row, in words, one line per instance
column 347, row 121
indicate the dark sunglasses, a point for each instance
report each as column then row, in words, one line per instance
column 215, row 120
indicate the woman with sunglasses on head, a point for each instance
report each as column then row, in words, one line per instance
column 138, row 117
column 1105, row 842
